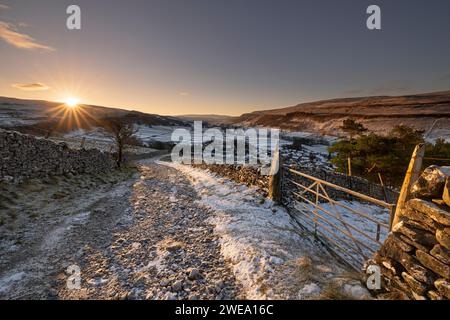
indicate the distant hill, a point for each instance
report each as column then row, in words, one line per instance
column 213, row 119
column 378, row 114
column 35, row 116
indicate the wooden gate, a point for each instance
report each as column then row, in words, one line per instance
column 353, row 230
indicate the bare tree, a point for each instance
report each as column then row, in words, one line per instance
column 122, row 132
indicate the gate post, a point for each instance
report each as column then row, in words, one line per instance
column 83, row 140
column 275, row 177
column 412, row 174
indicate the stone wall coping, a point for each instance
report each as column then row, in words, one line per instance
column 435, row 212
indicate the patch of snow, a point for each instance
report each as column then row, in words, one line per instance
column 312, row 135
column 7, row 281
column 438, row 133
column 299, row 134
column 315, row 156
column 6, row 121
column 356, row 291
column 352, row 221
column 52, row 239
column 96, row 134
column 157, row 262
column 318, row 148
column 308, row 291
column 97, row 281
column 155, row 133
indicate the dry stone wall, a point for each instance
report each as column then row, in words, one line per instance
column 415, row 258
column 249, row 175
column 23, row 157
column 354, row 183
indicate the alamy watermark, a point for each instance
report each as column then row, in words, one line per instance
column 230, row 146
column 73, row 281
column 373, row 281
column 73, row 21
column 374, row 20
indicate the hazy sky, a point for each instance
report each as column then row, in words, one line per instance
column 221, row 56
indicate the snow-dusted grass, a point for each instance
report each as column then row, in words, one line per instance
column 308, row 157
column 312, row 135
column 243, row 224
column 318, row 148
column 18, row 114
column 157, row 133
column 7, row 281
column 351, row 221
column 96, row 138
column 11, row 121
column 98, row 134
column 154, row 133
column 100, row 139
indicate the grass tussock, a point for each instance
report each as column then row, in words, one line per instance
column 24, row 201
column 333, row 291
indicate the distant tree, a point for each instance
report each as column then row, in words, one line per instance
column 135, row 141
column 437, row 153
column 372, row 154
column 159, row 145
column 352, row 128
column 407, row 134
column 297, row 144
column 440, row 148
column 122, row 133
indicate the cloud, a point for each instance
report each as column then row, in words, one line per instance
column 10, row 34
column 184, row 94
column 31, row 86
column 4, row 7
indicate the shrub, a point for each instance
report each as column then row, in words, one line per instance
column 372, row 154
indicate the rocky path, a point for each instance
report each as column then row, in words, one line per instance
column 56, row 222
column 166, row 252
column 143, row 239
column 168, row 232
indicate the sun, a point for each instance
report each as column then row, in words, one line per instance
column 72, row 102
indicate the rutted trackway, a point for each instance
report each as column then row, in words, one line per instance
column 172, row 232
column 144, row 239
column 167, row 251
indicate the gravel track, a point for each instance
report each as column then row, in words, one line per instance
column 144, row 238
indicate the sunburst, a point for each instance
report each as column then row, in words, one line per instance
column 72, row 102
column 71, row 114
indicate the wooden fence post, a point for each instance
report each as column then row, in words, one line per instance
column 386, row 199
column 275, row 177
column 349, row 164
column 412, row 174
column 83, row 140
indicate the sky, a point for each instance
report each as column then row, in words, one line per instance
column 221, row 56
